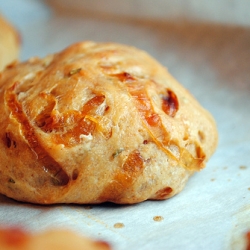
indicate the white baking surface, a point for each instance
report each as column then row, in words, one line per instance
column 212, row 60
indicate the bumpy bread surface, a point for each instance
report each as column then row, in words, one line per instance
column 9, row 43
column 53, row 239
column 98, row 122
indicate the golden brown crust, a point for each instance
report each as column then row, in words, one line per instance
column 9, row 43
column 16, row 238
column 98, row 122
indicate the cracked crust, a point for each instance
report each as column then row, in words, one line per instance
column 96, row 123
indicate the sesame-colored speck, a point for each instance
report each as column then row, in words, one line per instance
column 118, row 225
column 243, row 167
column 158, row 218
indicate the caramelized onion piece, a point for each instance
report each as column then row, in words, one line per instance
column 124, row 76
column 58, row 176
column 151, row 120
column 170, row 104
column 124, row 177
column 67, row 127
column 133, row 164
column 164, row 193
column 153, row 123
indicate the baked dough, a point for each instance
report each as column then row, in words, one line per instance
column 9, row 43
column 98, row 122
column 16, row 238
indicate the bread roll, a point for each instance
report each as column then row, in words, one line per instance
column 18, row 239
column 98, row 122
column 9, row 43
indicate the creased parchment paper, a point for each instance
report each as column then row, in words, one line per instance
column 212, row 60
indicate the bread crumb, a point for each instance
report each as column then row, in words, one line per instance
column 118, row 225
column 158, row 218
column 243, row 167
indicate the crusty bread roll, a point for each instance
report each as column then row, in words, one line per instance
column 18, row 239
column 96, row 123
column 9, row 43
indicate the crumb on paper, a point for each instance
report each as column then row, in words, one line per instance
column 118, row 225
column 242, row 167
column 213, row 179
column 158, row 218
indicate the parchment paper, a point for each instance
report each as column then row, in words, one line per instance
column 212, row 60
